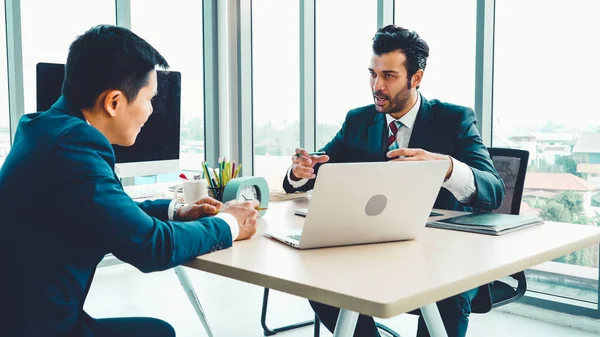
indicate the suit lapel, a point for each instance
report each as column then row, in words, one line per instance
column 422, row 129
column 375, row 133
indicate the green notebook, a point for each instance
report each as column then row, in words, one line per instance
column 487, row 223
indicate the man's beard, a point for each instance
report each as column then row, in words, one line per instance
column 397, row 103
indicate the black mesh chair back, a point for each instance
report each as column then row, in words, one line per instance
column 511, row 165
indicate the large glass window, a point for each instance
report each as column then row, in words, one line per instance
column 450, row 72
column 175, row 30
column 276, row 86
column 544, row 76
column 49, row 27
column 4, row 113
column 343, row 52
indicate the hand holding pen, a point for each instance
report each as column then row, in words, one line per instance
column 246, row 215
column 303, row 163
column 244, row 212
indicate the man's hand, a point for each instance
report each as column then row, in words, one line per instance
column 406, row 154
column 302, row 164
column 206, row 206
column 246, row 215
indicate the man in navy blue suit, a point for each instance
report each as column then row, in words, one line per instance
column 404, row 126
column 63, row 207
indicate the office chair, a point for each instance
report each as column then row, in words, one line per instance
column 270, row 332
column 511, row 165
column 317, row 330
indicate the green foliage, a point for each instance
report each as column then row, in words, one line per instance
column 573, row 202
column 270, row 140
column 193, row 130
column 281, row 141
column 553, row 211
column 325, row 133
column 568, row 207
column 566, row 164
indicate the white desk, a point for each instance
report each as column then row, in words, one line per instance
column 439, row 264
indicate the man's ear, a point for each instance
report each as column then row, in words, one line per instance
column 113, row 101
column 417, row 78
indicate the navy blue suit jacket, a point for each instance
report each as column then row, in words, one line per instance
column 440, row 128
column 63, row 209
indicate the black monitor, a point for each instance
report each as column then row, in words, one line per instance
column 156, row 149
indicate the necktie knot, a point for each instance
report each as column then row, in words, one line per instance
column 394, row 125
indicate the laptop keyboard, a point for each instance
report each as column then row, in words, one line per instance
column 295, row 237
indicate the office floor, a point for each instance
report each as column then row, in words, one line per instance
column 233, row 308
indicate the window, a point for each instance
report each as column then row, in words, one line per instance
column 49, row 27
column 276, row 86
column 343, row 52
column 450, row 72
column 544, row 75
column 175, row 30
column 4, row 113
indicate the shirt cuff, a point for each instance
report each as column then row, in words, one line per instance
column 461, row 182
column 171, row 209
column 233, row 224
column 294, row 183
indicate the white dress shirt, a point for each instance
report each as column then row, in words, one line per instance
column 461, row 182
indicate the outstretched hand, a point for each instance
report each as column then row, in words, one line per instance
column 406, row 154
column 303, row 164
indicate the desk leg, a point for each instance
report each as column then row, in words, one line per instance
column 191, row 294
column 346, row 323
column 433, row 320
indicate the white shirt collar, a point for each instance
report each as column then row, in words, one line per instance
column 409, row 118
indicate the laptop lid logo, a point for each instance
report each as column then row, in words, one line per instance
column 376, row 205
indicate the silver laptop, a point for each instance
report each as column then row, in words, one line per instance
column 358, row 203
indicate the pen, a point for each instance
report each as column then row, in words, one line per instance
column 257, row 208
column 319, row 153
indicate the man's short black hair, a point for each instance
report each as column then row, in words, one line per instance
column 108, row 58
column 391, row 38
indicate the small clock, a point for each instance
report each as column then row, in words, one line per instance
column 246, row 189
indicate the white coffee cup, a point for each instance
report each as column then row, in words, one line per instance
column 194, row 190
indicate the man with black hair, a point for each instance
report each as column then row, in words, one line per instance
column 63, row 208
column 404, row 126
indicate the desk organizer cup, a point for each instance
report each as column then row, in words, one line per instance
column 216, row 193
column 218, row 177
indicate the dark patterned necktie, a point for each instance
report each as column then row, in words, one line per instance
column 393, row 130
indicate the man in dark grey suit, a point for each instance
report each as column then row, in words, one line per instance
column 404, row 126
column 63, row 208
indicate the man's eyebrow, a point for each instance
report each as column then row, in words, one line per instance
column 386, row 71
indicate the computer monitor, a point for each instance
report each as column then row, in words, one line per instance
column 156, row 149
